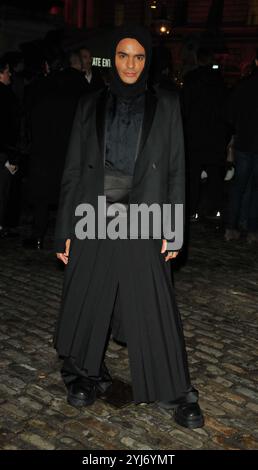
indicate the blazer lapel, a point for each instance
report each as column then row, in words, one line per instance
column 149, row 112
column 101, row 120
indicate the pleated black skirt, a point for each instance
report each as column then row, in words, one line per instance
column 100, row 270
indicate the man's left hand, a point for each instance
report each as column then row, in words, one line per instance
column 171, row 254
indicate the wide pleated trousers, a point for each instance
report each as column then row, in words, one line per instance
column 135, row 270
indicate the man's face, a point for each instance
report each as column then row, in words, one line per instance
column 75, row 62
column 86, row 59
column 5, row 76
column 130, row 60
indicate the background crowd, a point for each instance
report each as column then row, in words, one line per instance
column 221, row 140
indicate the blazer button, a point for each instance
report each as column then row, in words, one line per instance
column 154, row 165
column 90, row 166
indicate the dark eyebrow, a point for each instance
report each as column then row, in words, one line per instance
column 135, row 55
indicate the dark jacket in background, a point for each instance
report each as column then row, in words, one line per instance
column 9, row 124
column 96, row 82
column 72, row 82
column 51, row 112
column 204, row 97
column 243, row 113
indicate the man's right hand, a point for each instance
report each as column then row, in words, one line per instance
column 64, row 256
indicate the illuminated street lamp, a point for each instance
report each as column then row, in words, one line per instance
column 165, row 28
column 153, row 5
column 162, row 23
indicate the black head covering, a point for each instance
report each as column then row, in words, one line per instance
column 117, row 86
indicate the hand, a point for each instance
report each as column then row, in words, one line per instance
column 171, row 254
column 64, row 256
column 11, row 168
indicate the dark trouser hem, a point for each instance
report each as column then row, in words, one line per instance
column 70, row 372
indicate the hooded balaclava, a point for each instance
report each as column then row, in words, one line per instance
column 117, row 86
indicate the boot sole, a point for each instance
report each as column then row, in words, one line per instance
column 78, row 403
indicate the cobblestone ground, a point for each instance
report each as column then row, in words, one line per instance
column 217, row 294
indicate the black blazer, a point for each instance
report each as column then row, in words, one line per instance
column 159, row 175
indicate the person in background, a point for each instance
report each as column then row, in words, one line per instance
column 51, row 114
column 203, row 99
column 9, row 138
column 243, row 116
column 92, row 75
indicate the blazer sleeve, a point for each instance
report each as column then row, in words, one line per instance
column 176, row 172
column 69, row 185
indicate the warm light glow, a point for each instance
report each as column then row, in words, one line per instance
column 163, row 29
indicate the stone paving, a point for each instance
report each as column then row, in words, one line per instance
column 217, row 294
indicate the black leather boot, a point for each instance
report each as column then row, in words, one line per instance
column 189, row 415
column 187, row 411
column 82, row 392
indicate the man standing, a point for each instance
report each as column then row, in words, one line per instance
column 126, row 144
column 9, row 133
column 243, row 115
column 93, row 80
column 204, row 96
column 50, row 113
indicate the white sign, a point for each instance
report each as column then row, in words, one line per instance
column 101, row 62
